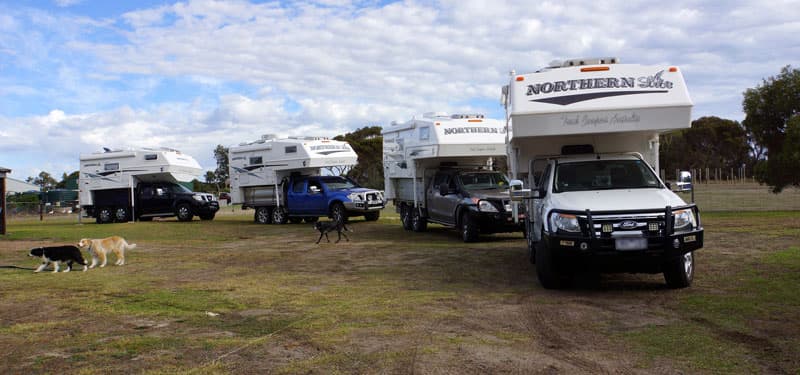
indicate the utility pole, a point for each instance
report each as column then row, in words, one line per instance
column 3, row 172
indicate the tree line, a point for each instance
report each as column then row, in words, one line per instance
column 767, row 143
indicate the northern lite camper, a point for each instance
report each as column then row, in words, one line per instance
column 584, row 138
column 282, row 179
column 122, row 185
column 440, row 168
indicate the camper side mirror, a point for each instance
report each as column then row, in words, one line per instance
column 444, row 189
column 515, row 189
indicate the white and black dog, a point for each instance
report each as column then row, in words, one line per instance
column 57, row 254
column 324, row 227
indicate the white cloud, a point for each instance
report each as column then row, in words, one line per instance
column 326, row 67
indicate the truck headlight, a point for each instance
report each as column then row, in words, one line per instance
column 198, row 197
column 355, row 197
column 684, row 220
column 565, row 222
column 486, row 206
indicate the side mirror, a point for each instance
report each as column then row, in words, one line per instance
column 515, row 189
column 444, row 189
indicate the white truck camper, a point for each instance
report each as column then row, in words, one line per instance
column 441, row 168
column 584, row 139
column 284, row 181
column 140, row 184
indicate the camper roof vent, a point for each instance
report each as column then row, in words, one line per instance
column 434, row 114
column 585, row 61
column 466, row 115
column 268, row 137
column 577, row 149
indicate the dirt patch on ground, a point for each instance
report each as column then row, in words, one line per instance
column 385, row 301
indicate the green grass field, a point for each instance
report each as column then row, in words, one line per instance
column 231, row 296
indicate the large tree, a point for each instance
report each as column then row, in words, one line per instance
column 771, row 120
column 44, row 179
column 711, row 142
column 220, row 175
column 367, row 142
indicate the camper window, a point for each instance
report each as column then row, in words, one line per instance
column 111, row 167
column 150, row 156
column 424, row 133
column 255, row 160
column 291, row 149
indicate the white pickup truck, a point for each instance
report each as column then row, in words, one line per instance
column 584, row 135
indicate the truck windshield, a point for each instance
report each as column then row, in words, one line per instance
column 484, row 181
column 604, row 174
column 338, row 183
column 178, row 188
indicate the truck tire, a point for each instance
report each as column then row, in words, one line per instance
column 338, row 213
column 279, row 215
column 184, row 212
column 547, row 269
column 207, row 216
column 372, row 216
column 405, row 216
column 418, row 223
column 263, row 215
column 469, row 228
column 121, row 214
column 529, row 237
column 679, row 272
column 312, row 219
column 104, row 215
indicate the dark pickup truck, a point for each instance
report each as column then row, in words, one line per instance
column 474, row 201
column 152, row 199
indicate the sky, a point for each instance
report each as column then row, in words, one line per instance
column 80, row 75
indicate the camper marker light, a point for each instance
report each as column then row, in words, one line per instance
column 565, row 222
column 673, row 69
column 520, row 79
column 474, row 120
column 595, row 69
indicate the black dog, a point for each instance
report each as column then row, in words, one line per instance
column 324, row 227
column 57, row 254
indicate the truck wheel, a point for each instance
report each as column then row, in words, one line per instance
column 263, row 215
column 547, row 268
column 372, row 216
column 184, row 212
column 104, row 216
column 679, row 272
column 418, row 223
column 338, row 213
column 295, row 220
column 279, row 215
column 469, row 228
column 207, row 216
column 121, row 214
column 405, row 216
column 312, row 219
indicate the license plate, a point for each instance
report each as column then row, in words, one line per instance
column 374, row 202
column 624, row 244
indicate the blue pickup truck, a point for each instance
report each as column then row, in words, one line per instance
column 306, row 198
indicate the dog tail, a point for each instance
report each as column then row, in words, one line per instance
column 130, row 246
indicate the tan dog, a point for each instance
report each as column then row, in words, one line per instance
column 100, row 248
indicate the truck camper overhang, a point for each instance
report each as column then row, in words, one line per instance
column 599, row 99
